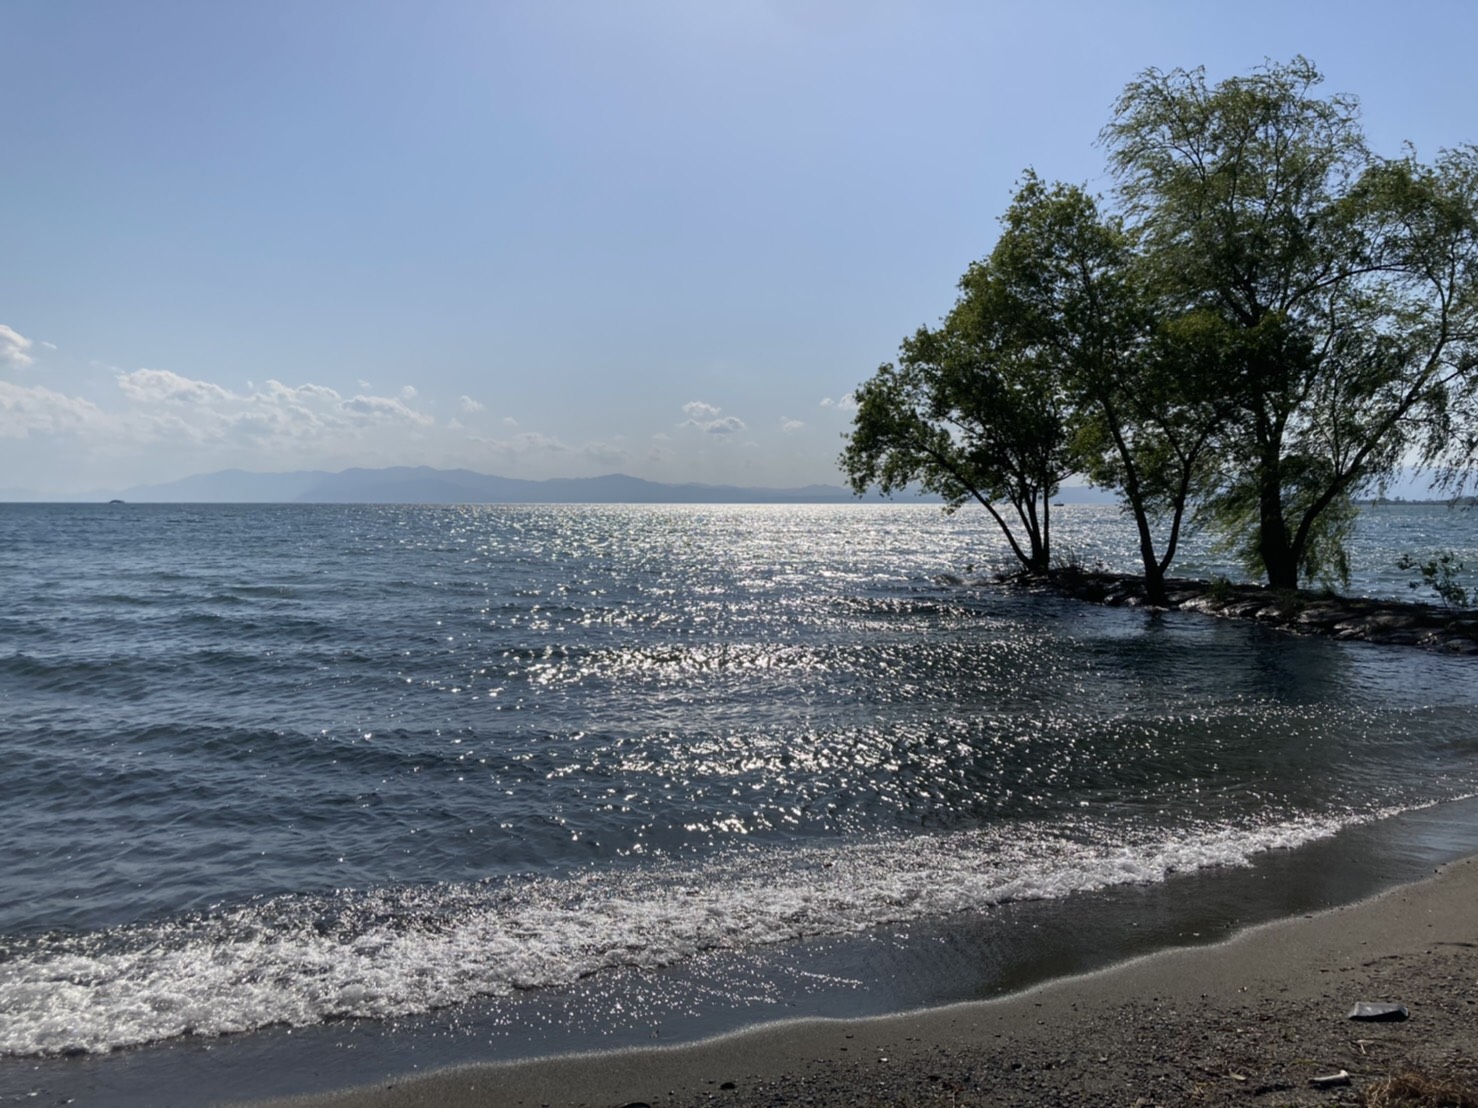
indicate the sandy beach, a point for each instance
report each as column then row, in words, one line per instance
column 1251, row 1020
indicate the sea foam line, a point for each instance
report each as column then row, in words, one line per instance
column 301, row 960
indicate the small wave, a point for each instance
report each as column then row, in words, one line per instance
column 124, row 600
column 302, row 960
column 119, row 675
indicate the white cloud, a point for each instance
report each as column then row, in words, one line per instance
column 168, row 405
column 408, row 392
column 40, row 411
column 49, row 345
column 154, row 386
column 788, row 425
column 467, row 404
column 847, row 403
column 13, row 347
column 704, row 417
column 509, row 421
column 386, row 409
column 696, row 409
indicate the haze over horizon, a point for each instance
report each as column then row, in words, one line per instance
column 553, row 240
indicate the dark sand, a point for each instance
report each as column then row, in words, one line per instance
column 1249, row 1021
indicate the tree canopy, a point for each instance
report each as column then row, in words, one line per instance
column 971, row 410
column 1263, row 322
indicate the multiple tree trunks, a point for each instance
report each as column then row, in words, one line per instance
column 1262, row 322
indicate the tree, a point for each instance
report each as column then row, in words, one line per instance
column 1269, row 324
column 1052, row 362
column 1337, row 286
column 970, row 411
column 1143, row 387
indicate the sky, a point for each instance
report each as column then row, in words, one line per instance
column 559, row 238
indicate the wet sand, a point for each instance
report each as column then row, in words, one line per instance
column 1252, row 1020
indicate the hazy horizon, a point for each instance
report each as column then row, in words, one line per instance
column 540, row 241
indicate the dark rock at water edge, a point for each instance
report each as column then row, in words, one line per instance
column 1301, row 611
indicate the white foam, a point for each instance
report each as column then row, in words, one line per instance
column 389, row 952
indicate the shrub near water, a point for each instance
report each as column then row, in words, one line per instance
column 1439, row 573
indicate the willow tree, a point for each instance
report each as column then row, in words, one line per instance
column 1145, row 387
column 1052, row 362
column 1269, row 323
column 973, row 411
column 1337, row 288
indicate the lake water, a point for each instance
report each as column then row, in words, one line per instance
column 355, row 767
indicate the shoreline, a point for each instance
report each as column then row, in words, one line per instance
column 1261, row 1013
column 1375, row 620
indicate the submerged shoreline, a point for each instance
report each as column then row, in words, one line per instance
column 881, row 975
column 1263, row 1013
column 450, row 798
column 1305, row 611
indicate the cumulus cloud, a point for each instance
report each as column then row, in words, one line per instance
column 705, row 417
column 729, row 425
column 788, row 425
column 385, row 408
column 13, row 347
column 847, row 403
column 154, row 386
column 40, row 411
column 152, row 424
column 408, row 392
column 171, row 405
column 696, row 409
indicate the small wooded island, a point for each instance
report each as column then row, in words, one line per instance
column 1263, row 321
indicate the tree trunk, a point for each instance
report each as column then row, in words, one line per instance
column 1154, row 583
column 1275, row 546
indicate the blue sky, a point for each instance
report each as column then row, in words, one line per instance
column 555, row 238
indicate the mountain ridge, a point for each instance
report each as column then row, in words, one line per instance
column 429, row 485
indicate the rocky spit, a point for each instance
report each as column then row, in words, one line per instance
column 1301, row 612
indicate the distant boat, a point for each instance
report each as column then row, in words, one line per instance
column 115, row 501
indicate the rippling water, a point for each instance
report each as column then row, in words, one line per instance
column 278, row 764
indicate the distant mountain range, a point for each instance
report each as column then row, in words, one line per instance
column 425, row 485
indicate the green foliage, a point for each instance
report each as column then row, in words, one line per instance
column 1271, row 321
column 1439, row 573
column 971, row 411
column 1331, row 291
